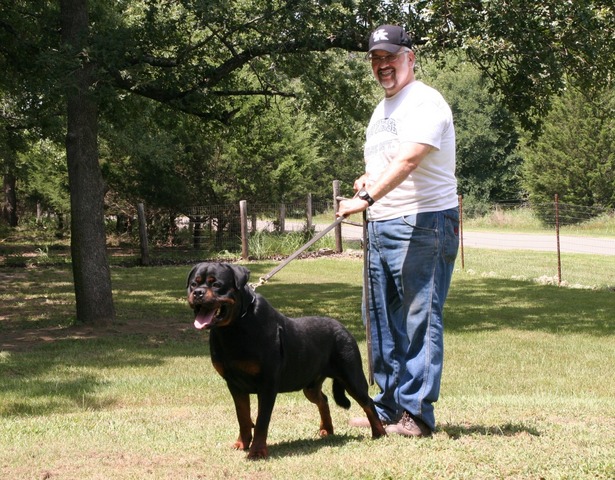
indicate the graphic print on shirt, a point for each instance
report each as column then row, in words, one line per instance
column 381, row 147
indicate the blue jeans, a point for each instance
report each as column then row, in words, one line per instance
column 411, row 262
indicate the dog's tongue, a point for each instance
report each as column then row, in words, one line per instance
column 202, row 320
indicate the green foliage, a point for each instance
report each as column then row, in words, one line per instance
column 273, row 153
column 530, row 50
column 263, row 245
column 213, row 59
column 338, row 93
column 575, row 156
column 487, row 159
column 139, row 154
column 44, row 178
column 173, row 161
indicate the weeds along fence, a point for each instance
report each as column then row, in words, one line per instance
column 230, row 228
column 563, row 229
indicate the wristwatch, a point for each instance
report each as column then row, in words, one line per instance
column 363, row 195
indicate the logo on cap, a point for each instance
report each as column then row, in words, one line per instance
column 380, row 35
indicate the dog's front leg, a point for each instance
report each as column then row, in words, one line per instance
column 242, row 409
column 266, row 401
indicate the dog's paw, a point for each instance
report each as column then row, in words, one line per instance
column 258, row 452
column 240, row 445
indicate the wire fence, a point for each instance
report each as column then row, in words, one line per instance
column 219, row 227
column 558, row 228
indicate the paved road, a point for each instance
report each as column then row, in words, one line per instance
column 518, row 241
column 523, row 241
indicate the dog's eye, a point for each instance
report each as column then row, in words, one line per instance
column 216, row 284
column 194, row 284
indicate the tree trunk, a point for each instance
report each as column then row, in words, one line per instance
column 91, row 273
column 9, row 207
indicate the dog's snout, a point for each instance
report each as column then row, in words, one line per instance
column 198, row 293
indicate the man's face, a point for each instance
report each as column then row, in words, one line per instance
column 393, row 70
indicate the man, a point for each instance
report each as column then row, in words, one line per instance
column 410, row 192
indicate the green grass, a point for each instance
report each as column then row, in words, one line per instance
column 577, row 270
column 527, row 391
column 524, row 220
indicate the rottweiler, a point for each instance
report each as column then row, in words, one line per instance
column 258, row 350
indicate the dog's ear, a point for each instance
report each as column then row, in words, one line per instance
column 242, row 275
column 191, row 274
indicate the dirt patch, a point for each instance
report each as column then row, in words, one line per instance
column 23, row 340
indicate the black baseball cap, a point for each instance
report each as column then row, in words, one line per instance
column 389, row 38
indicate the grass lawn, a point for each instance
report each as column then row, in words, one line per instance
column 527, row 393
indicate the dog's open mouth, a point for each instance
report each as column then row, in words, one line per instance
column 207, row 317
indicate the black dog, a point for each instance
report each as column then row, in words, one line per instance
column 258, row 350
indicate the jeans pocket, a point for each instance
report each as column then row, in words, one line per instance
column 422, row 234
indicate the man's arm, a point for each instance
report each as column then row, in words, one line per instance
column 409, row 157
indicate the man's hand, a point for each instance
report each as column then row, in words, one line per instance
column 350, row 206
column 360, row 182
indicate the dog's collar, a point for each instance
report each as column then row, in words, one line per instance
column 253, row 295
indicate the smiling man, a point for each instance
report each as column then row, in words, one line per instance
column 410, row 192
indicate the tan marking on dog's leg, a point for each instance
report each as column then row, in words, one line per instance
column 316, row 396
column 377, row 427
column 242, row 409
column 266, row 402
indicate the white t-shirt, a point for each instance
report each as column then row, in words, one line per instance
column 418, row 114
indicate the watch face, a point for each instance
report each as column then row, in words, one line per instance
column 363, row 195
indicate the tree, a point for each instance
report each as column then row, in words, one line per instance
column 488, row 162
column 194, row 56
column 8, row 154
column 174, row 161
column 575, row 156
column 13, row 133
column 530, row 50
column 92, row 277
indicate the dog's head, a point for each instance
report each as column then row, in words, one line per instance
column 218, row 293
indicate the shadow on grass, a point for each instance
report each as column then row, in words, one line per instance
column 53, row 396
column 474, row 305
column 154, row 300
column 69, row 374
column 487, row 304
column 309, row 446
column 507, row 430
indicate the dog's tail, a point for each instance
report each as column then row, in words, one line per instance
column 339, row 394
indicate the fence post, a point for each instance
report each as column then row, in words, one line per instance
column 461, row 231
column 243, row 213
column 282, row 218
column 559, row 256
column 338, row 229
column 308, row 213
column 143, row 234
